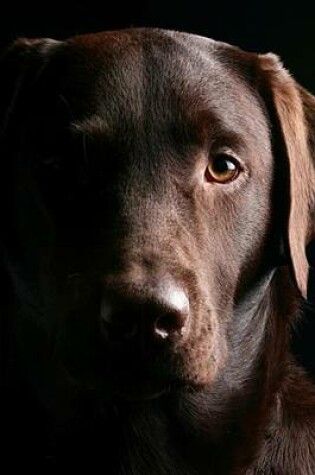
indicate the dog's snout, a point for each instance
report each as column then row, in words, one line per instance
column 173, row 316
column 160, row 313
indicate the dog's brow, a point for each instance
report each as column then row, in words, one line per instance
column 92, row 127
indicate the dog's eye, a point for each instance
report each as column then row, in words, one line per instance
column 223, row 169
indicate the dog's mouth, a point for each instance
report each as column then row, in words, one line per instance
column 140, row 386
column 143, row 391
column 127, row 376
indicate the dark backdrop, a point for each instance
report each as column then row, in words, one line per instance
column 287, row 29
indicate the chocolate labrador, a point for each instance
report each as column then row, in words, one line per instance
column 157, row 197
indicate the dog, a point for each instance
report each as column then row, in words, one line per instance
column 157, row 195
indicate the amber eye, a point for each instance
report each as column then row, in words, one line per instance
column 223, row 169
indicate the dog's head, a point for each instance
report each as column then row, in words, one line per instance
column 154, row 179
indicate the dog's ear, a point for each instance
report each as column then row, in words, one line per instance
column 22, row 231
column 294, row 111
column 20, row 66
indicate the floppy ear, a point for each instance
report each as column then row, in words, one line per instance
column 21, row 231
column 20, row 66
column 295, row 111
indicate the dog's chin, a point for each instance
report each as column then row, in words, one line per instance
column 137, row 390
column 140, row 394
column 149, row 388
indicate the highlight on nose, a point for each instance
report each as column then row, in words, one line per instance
column 175, row 319
column 160, row 312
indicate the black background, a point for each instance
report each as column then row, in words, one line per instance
column 287, row 29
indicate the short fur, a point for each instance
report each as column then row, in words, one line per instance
column 105, row 140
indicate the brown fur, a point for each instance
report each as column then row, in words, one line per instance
column 105, row 141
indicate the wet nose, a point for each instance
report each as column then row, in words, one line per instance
column 159, row 312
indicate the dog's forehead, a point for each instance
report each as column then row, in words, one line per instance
column 135, row 78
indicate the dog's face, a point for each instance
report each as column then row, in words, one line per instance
column 151, row 154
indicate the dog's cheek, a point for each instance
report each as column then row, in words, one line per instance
column 243, row 236
column 203, row 355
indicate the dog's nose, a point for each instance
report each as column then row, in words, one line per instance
column 161, row 313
